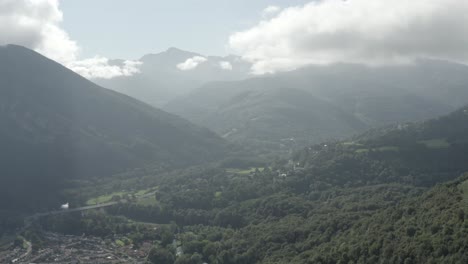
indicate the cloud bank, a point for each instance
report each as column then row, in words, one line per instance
column 191, row 63
column 35, row 24
column 373, row 32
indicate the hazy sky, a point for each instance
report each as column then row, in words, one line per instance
column 273, row 36
column 130, row 29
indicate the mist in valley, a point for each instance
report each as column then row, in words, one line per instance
column 305, row 131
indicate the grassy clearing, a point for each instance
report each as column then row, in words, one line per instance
column 362, row 150
column 104, row 198
column 435, row 143
column 145, row 192
column 142, row 192
column 388, row 148
column 119, row 243
column 108, row 197
column 381, row 149
column 243, row 171
column 148, row 201
column 352, row 144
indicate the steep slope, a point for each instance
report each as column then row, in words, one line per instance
column 429, row 228
column 57, row 125
column 160, row 80
column 288, row 116
column 375, row 96
column 421, row 154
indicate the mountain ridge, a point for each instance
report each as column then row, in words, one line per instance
column 160, row 80
column 376, row 96
column 64, row 127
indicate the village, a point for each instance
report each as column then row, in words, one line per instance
column 60, row 248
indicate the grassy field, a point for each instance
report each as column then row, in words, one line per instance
column 243, row 171
column 435, row 143
column 108, row 197
column 381, row 149
column 388, row 148
column 148, row 201
column 438, row 143
column 352, row 144
column 104, row 198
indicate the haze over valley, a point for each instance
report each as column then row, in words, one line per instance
column 188, row 132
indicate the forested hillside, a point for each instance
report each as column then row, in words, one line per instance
column 56, row 125
column 395, row 195
column 279, row 116
column 370, row 96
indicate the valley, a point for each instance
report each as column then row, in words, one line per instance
column 302, row 132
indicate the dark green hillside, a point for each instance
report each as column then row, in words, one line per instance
column 279, row 115
column 431, row 228
column 56, row 125
column 421, row 153
column 372, row 96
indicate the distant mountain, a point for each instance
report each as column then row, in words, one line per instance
column 288, row 116
column 370, row 96
column 56, row 125
column 161, row 80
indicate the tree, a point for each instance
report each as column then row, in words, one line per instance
column 161, row 256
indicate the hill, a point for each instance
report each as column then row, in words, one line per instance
column 56, row 125
column 290, row 117
column 372, row 96
column 420, row 154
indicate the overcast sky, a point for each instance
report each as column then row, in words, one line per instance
column 274, row 35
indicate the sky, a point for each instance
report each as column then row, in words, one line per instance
column 274, row 36
column 129, row 29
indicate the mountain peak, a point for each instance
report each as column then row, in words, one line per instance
column 172, row 54
column 176, row 50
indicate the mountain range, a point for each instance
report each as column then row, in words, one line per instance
column 334, row 101
column 163, row 76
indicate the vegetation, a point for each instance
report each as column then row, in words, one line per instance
column 398, row 194
column 319, row 103
column 330, row 204
column 57, row 126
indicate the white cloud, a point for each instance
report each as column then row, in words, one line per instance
column 35, row 24
column 99, row 67
column 361, row 31
column 191, row 63
column 225, row 65
column 270, row 10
